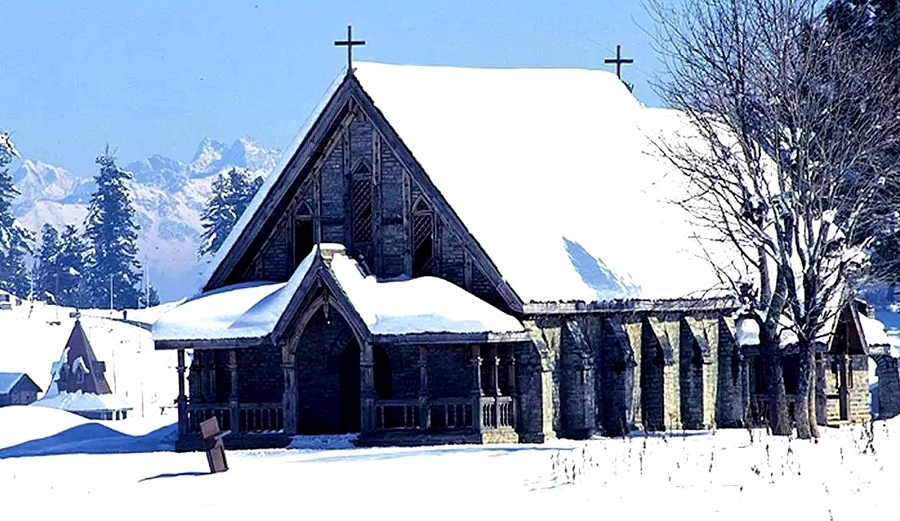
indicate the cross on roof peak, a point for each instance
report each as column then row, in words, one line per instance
column 349, row 43
column 618, row 60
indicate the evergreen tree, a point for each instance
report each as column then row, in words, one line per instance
column 232, row 193
column 14, row 238
column 111, row 232
column 47, row 272
column 71, row 261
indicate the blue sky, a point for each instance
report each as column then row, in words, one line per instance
column 157, row 77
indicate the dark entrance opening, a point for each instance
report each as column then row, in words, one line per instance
column 304, row 240
column 348, row 383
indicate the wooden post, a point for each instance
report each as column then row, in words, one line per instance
column 289, row 398
column 182, row 399
column 476, row 388
column 233, row 397
column 511, row 367
column 495, row 384
column 424, row 408
column 367, row 389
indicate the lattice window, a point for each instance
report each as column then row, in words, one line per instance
column 423, row 240
column 361, row 204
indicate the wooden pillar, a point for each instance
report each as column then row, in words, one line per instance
column 367, row 389
column 476, row 387
column 289, row 398
column 511, row 368
column 182, row 399
column 233, row 396
column 495, row 385
column 424, row 408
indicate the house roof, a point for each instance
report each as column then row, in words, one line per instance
column 9, row 380
column 553, row 174
column 550, row 170
column 424, row 305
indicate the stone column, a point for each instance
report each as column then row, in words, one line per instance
column 182, row 399
column 233, row 396
column 477, row 393
column 289, row 398
column 424, row 408
column 367, row 389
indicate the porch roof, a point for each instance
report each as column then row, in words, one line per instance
column 416, row 306
column 247, row 310
column 396, row 310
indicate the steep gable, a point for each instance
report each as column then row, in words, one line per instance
column 351, row 181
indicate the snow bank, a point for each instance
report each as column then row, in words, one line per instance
column 19, row 424
column 419, row 305
column 83, row 402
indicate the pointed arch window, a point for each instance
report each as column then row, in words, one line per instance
column 304, row 233
column 361, row 203
column 423, row 239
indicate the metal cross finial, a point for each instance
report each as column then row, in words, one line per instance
column 349, row 43
column 618, row 60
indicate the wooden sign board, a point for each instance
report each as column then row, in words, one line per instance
column 215, row 447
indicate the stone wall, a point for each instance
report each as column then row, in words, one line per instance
column 888, row 386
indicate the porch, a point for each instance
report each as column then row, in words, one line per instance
column 487, row 415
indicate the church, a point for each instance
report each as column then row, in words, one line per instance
column 458, row 255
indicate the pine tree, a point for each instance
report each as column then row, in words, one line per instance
column 47, row 272
column 14, row 238
column 111, row 232
column 71, row 261
column 232, row 193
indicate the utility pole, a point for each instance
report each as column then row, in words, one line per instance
column 110, row 292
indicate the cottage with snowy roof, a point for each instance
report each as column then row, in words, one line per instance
column 461, row 255
column 17, row 389
column 78, row 383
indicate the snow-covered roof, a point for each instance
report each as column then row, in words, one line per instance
column 420, row 305
column 552, row 173
column 9, row 380
column 246, row 310
column 81, row 402
column 252, row 310
column 874, row 331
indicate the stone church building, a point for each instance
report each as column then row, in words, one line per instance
column 452, row 255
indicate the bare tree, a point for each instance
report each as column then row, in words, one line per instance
column 786, row 125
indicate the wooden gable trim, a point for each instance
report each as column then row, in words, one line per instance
column 280, row 195
column 392, row 140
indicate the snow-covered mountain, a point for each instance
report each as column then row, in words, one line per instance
column 169, row 197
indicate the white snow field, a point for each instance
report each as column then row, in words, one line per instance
column 53, row 461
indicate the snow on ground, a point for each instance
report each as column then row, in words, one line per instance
column 726, row 474
column 30, row 342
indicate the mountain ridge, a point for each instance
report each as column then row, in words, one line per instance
column 169, row 196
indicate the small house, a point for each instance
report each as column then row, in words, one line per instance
column 17, row 389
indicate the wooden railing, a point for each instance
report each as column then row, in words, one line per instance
column 251, row 417
column 445, row 413
column 396, row 414
column 200, row 412
column 261, row 417
column 451, row 413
